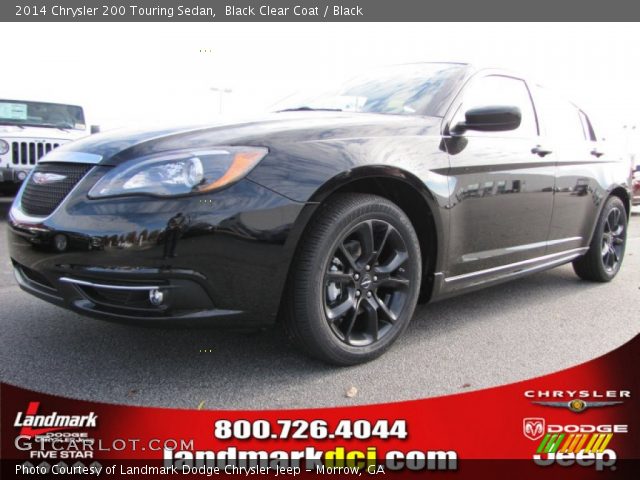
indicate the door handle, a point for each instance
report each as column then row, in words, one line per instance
column 596, row 153
column 541, row 151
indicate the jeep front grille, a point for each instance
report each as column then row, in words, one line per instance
column 43, row 199
column 28, row 153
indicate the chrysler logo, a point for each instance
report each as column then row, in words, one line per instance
column 577, row 405
column 45, row 178
column 366, row 281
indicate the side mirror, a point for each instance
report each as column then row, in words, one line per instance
column 490, row 119
column 95, row 129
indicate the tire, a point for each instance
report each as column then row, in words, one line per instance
column 602, row 261
column 337, row 309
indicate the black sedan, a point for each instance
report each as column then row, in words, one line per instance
column 333, row 216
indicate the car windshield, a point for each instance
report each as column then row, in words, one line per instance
column 40, row 114
column 415, row 89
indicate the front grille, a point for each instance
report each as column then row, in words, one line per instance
column 42, row 199
column 28, row 153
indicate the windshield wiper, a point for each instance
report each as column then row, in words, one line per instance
column 310, row 109
column 12, row 124
column 60, row 126
column 63, row 126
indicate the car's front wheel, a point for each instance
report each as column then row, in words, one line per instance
column 603, row 259
column 355, row 280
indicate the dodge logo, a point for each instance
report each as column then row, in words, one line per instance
column 533, row 428
column 44, row 178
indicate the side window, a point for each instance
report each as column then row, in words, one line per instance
column 499, row 90
column 561, row 119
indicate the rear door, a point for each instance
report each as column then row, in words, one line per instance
column 502, row 184
column 580, row 162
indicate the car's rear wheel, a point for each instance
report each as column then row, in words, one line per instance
column 355, row 280
column 602, row 261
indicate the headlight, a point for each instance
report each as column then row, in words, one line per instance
column 4, row 147
column 179, row 173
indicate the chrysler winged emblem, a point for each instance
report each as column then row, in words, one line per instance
column 533, row 428
column 577, row 405
column 41, row 178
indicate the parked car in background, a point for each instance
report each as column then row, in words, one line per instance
column 334, row 216
column 636, row 186
column 29, row 130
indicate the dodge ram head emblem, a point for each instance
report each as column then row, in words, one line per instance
column 533, row 428
column 45, row 178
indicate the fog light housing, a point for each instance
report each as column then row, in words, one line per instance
column 21, row 175
column 156, row 297
column 60, row 242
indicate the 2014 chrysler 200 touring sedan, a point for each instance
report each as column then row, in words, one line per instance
column 335, row 216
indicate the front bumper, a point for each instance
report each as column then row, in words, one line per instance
column 185, row 302
column 217, row 259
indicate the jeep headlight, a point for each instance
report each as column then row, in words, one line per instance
column 179, row 173
column 4, row 147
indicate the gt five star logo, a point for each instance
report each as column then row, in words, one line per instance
column 28, row 420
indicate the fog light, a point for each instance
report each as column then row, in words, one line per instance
column 60, row 242
column 22, row 176
column 156, row 297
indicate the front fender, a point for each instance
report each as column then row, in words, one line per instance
column 310, row 172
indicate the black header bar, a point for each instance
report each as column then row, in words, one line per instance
column 316, row 10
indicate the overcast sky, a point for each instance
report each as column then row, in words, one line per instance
column 130, row 74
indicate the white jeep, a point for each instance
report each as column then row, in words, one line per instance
column 29, row 130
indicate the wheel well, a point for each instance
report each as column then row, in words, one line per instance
column 622, row 194
column 416, row 208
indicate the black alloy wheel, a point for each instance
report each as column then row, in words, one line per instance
column 355, row 280
column 367, row 282
column 613, row 240
column 602, row 261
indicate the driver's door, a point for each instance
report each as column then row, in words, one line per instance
column 501, row 184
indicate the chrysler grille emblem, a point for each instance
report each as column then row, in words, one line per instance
column 45, row 178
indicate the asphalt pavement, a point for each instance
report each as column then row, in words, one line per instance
column 515, row 331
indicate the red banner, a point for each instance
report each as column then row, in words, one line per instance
column 577, row 423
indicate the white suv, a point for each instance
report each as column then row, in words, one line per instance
column 29, row 130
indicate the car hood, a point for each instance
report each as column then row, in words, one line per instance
column 112, row 148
